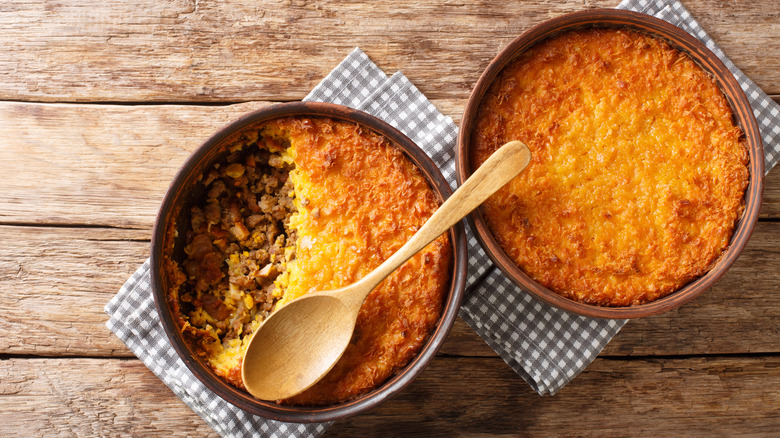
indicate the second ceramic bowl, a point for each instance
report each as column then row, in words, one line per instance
column 677, row 38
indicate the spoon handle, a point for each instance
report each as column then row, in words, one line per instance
column 506, row 163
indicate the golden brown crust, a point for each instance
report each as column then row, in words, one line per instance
column 360, row 199
column 638, row 171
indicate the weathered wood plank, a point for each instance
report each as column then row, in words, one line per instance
column 98, row 165
column 91, row 397
column 194, row 51
column 110, row 165
column 56, row 281
column 610, row 398
column 452, row 397
column 770, row 206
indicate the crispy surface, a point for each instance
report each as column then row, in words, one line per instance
column 638, row 171
column 359, row 200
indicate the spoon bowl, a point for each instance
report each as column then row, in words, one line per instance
column 319, row 343
column 300, row 342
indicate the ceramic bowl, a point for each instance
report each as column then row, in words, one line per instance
column 181, row 194
column 679, row 39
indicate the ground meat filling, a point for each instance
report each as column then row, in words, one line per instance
column 237, row 243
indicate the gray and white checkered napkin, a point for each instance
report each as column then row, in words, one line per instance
column 544, row 345
column 133, row 317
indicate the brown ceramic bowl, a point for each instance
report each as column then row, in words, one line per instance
column 181, row 194
column 743, row 114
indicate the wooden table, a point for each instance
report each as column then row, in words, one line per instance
column 101, row 102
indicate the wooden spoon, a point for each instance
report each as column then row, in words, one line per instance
column 300, row 342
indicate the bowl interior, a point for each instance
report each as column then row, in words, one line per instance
column 743, row 116
column 184, row 190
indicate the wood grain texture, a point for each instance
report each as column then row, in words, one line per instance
column 82, row 184
column 198, row 51
column 110, row 165
column 481, row 397
column 453, row 397
column 98, row 165
column 58, row 279
column 56, row 282
column 91, row 397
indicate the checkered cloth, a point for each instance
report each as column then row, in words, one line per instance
column 133, row 317
column 545, row 346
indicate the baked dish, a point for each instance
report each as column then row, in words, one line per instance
column 638, row 172
column 302, row 204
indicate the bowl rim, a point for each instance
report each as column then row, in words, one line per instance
column 743, row 116
column 241, row 398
